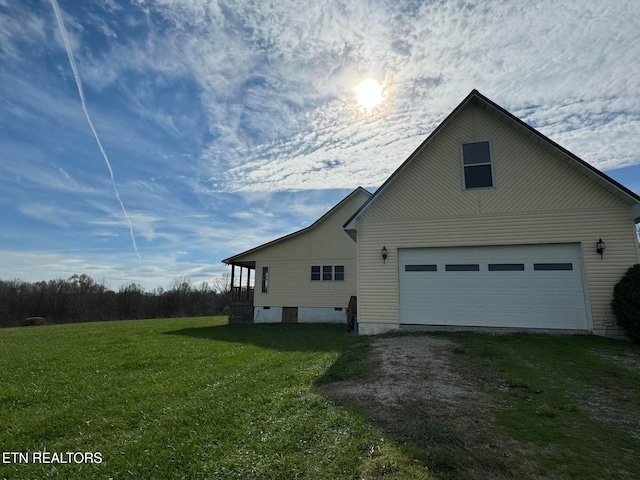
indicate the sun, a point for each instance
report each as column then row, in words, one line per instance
column 369, row 94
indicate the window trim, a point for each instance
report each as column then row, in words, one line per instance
column 464, row 166
column 327, row 273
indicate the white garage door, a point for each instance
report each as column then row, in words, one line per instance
column 526, row 286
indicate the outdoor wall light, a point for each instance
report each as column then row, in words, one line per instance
column 384, row 254
column 600, row 247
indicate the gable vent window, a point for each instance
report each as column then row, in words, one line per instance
column 476, row 159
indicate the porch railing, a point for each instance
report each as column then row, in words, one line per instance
column 242, row 294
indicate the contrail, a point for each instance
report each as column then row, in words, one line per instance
column 76, row 75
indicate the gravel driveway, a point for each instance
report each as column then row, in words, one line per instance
column 421, row 394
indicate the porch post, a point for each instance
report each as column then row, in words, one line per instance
column 233, row 271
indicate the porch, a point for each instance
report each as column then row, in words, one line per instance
column 242, row 291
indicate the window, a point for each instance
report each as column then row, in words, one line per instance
column 506, row 267
column 265, row 279
column 553, row 266
column 420, row 268
column 327, row 272
column 476, row 159
column 315, row 272
column 463, row 267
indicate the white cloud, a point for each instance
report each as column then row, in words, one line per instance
column 276, row 80
column 230, row 122
column 279, row 94
column 46, row 213
column 25, row 27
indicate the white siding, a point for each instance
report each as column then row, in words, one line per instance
column 290, row 261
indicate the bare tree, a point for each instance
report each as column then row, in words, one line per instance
column 79, row 298
column 222, row 287
column 222, row 284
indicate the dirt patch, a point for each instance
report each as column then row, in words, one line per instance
column 406, row 367
column 425, row 397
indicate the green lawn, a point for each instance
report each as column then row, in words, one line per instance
column 568, row 407
column 569, row 404
column 196, row 398
column 185, row 398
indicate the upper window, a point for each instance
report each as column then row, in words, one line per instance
column 338, row 272
column 476, row 160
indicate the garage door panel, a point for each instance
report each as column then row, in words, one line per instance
column 521, row 293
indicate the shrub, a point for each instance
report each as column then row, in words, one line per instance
column 626, row 302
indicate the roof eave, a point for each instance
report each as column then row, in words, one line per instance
column 234, row 259
column 629, row 195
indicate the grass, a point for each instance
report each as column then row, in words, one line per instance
column 568, row 406
column 196, row 398
column 188, row 398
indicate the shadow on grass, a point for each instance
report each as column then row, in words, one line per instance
column 276, row 336
column 352, row 349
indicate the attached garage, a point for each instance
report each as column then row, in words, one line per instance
column 490, row 223
column 518, row 286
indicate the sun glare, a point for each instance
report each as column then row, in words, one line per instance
column 369, row 94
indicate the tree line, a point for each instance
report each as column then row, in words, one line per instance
column 80, row 298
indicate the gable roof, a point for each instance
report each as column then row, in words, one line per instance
column 476, row 98
column 234, row 259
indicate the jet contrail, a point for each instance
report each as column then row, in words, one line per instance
column 67, row 46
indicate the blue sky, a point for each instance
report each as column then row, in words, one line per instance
column 228, row 124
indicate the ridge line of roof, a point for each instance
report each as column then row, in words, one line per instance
column 559, row 147
column 475, row 94
column 411, row 156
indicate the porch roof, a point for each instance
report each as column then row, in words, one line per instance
column 241, row 263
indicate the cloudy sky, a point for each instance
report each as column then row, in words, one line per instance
column 226, row 124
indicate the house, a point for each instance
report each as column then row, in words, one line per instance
column 489, row 223
column 307, row 276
